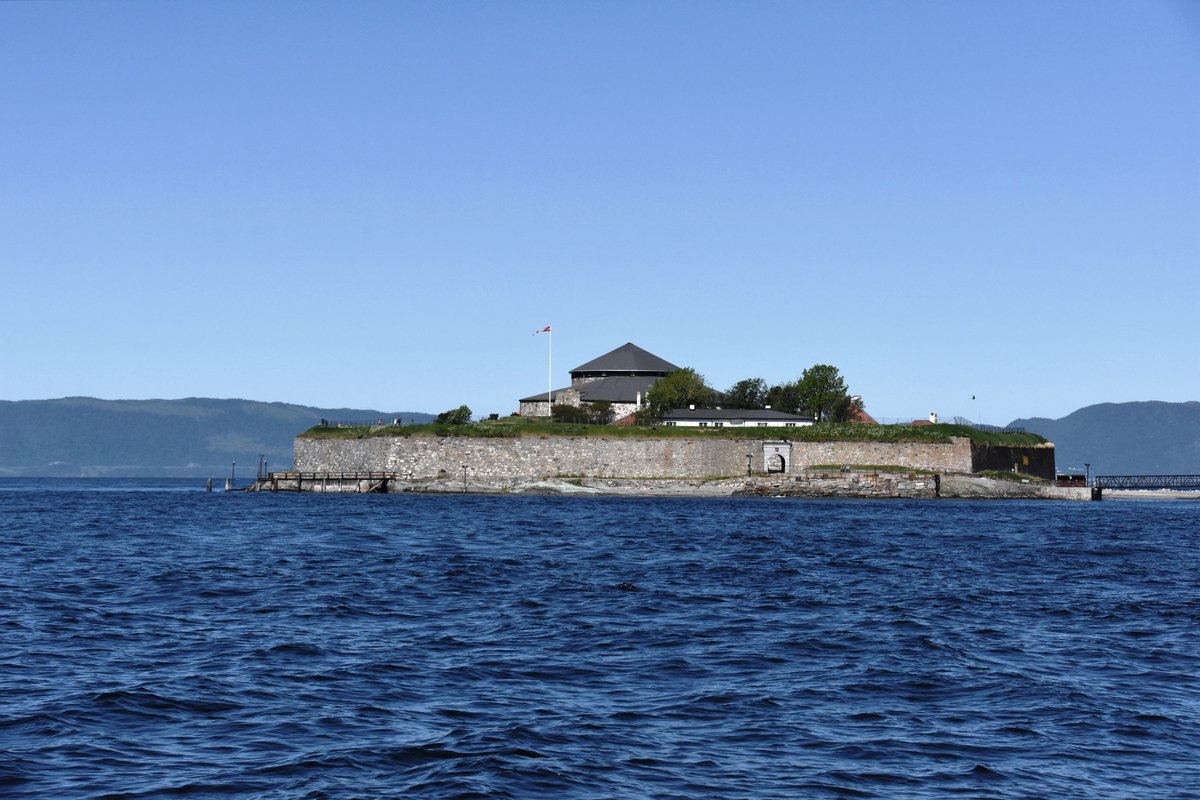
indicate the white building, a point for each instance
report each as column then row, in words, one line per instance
column 734, row 418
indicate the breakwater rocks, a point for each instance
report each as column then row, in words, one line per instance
column 968, row 487
column 865, row 485
column 883, row 485
column 880, row 485
column 582, row 487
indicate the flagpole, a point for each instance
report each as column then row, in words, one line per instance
column 549, row 368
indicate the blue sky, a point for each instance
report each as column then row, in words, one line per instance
column 376, row 204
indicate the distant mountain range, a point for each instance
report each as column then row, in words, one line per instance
column 194, row 437
column 199, row 437
column 1146, row 438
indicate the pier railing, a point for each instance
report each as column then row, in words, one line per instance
column 358, row 481
column 1146, row 482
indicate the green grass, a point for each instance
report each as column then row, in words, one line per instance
column 512, row 427
column 1011, row 477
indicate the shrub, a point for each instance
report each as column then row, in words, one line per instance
column 574, row 415
column 455, row 416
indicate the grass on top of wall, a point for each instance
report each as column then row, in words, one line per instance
column 513, row 427
column 1012, row 477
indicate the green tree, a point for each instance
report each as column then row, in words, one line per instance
column 569, row 414
column 599, row 412
column 784, row 397
column 820, row 390
column 679, row 389
column 748, row 393
column 847, row 408
column 455, row 416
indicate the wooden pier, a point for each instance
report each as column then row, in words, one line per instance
column 337, row 482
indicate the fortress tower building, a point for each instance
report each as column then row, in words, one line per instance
column 620, row 377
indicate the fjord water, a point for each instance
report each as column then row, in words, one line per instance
column 158, row 641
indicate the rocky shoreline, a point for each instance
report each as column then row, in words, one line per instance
column 849, row 485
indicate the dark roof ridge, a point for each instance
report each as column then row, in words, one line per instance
column 628, row 358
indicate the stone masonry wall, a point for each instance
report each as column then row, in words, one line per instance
column 534, row 408
column 952, row 457
column 531, row 458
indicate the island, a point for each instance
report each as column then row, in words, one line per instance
column 711, row 451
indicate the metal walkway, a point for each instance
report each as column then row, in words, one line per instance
column 1146, row 482
column 361, row 482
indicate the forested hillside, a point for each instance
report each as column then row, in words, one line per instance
column 1144, row 438
column 83, row 436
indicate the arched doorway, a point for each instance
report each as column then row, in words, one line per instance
column 776, row 455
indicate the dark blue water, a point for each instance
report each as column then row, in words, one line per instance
column 157, row 641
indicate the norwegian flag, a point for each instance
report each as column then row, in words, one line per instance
column 542, row 330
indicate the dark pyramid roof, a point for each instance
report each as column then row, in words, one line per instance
column 616, row 390
column 628, row 358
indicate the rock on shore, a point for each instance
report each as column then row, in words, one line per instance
column 860, row 485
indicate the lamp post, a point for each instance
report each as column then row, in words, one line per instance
column 749, row 461
column 464, row 469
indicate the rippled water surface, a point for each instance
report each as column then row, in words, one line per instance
column 158, row 641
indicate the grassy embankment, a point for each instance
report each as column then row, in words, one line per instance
column 511, row 427
column 1012, row 477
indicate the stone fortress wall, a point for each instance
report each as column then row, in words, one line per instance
column 532, row 458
